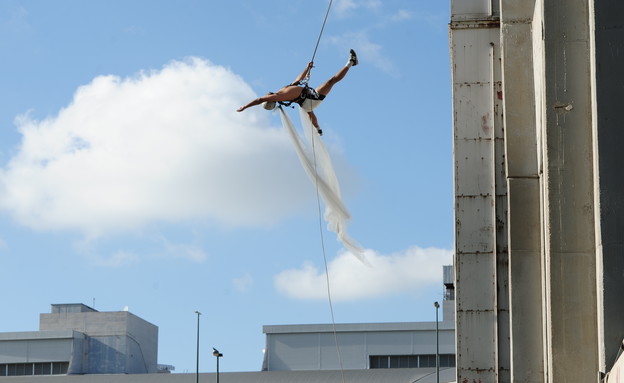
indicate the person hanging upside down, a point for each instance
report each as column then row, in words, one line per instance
column 299, row 92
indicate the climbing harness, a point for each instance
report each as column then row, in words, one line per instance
column 307, row 93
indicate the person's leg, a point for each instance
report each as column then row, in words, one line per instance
column 287, row 93
column 326, row 87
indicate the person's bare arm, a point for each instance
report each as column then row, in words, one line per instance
column 304, row 74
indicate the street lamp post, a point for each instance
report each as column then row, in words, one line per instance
column 216, row 353
column 197, row 357
column 437, row 306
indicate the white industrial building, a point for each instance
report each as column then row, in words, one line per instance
column 79, row 344
column 362, row 346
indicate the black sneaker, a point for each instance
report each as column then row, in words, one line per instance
column 353, row 58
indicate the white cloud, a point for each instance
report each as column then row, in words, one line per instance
column 350, row 279
column 243, row 283
column 163, row 146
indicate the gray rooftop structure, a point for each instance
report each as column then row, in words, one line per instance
column 398, row 375
column 77, row 339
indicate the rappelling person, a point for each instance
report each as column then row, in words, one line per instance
column 308, row 98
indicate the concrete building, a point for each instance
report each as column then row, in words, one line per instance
column 79, row 344
column 538, row 191
column 76, row 339
column 362, row 346
column 365, row 346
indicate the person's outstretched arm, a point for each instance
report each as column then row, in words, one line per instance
column 304, row 74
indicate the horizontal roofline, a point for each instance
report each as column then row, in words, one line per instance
column 357, row 327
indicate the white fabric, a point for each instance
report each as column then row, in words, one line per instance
column 324, row 177
column 310, row 104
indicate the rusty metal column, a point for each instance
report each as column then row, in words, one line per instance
column 480, row 193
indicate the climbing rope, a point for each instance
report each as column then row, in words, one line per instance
column 322, row 28
column 329, row 298
column 318, row 40
column 320, row 219
column 318, row 202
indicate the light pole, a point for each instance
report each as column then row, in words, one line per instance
column 216, row 353
column 197, row 358
column 437, row 306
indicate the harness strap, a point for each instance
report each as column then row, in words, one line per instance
column 304, row 94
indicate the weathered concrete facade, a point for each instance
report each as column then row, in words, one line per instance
column 82, row 341
column 561, row 71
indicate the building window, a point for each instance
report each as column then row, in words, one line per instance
column 59, row 368
column 21, row 369
column 43, row 368
column 410, row 361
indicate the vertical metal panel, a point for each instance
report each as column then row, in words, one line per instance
column 477, row 131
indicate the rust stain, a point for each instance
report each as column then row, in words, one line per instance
column 484, row 123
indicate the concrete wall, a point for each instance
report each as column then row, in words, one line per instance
column 119, row 342
column 607, row 68
column 567, row 195
column 524, row 223
column 562, row 77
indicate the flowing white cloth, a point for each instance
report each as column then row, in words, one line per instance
column 317, row 164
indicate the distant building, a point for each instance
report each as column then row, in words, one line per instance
column 364, row 345
column 77, row 339
column 76, row 343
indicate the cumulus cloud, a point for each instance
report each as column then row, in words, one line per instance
column 350, row 279
column 162, row 146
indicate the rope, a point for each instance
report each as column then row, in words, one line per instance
column 322, row 28
column 319, row 38
column 320, row 220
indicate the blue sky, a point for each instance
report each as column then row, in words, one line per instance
column 128, row 179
